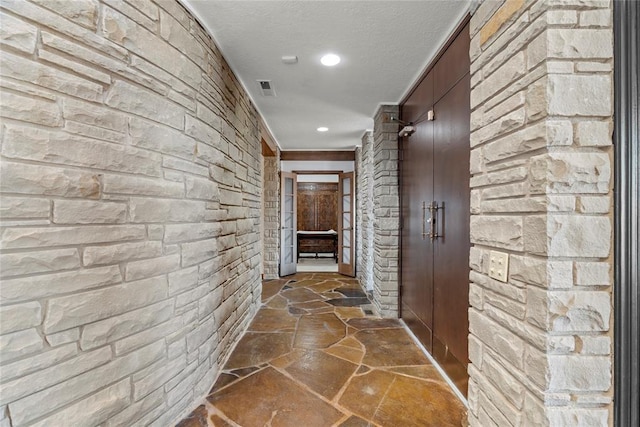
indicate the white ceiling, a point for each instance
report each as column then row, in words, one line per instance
column 384, row 46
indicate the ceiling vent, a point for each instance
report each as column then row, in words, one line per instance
column 266, row 88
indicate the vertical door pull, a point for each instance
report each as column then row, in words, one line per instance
column 433, row 212
column 424, row 220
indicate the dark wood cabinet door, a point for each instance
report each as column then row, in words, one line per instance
column 417, row 191
column 451, row 250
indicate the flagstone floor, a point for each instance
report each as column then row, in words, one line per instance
column 315, row 356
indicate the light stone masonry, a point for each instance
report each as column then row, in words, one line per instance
column 130, row 184
column 541, row 191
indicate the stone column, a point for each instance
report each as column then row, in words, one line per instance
column 540, row 342
column 271, row 192
column 386, row 208
column 364, row 165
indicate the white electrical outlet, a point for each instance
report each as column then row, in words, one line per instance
column 499, row 265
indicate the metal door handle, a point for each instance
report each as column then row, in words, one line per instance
column 424, row 220
column 433, row 212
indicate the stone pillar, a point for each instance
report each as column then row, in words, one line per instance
column 386, row 208
column 364, row 169
column 540, row 343
column 271, row 209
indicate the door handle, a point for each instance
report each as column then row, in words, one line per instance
column 433, row 212
column 424, row 220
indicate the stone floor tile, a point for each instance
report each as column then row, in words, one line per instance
column 412, row 402
column 219, row 422
column 390, row 347
column 351, row 354
column 322, row 373
column 269, row 320
column 349, row 312
column 365, row 392
column 373, row 323
column 348, row 302
column 354, row 421
column 270, row 398
column 256, row 348
column 300, row 295
column 319, row 331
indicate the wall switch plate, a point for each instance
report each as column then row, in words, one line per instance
column 499, row 265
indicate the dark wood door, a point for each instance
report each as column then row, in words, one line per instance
column 417, row 191
column 435, row 172
column 451, row 249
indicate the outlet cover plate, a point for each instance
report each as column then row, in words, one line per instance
column 499, row 266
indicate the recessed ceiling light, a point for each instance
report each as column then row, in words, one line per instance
column 322, row 129
column 330, row 60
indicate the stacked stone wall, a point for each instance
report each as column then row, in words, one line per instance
column 540, row 344
column 271, row 212
column 386, row 209
column 364, row 164
column 131, row 189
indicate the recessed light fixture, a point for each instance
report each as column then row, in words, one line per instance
column 322, row 129
column 330, row 59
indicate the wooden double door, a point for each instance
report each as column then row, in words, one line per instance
column 435, row 210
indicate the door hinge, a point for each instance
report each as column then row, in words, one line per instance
column 430, row 115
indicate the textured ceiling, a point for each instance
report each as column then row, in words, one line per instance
column 384, row 46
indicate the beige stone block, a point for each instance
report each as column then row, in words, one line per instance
column 504, row 176
column 127, row 33
column 578, row 416
column 23, row 263
column 184, row 166
column 88, row 212
column 197, row 252
column 537, row 308
column 559, row 133
column 48, row 400
column 580, row 95
column 481, row 117
column 44, row 286
column 576, row 172
column 562, row 17
column 506, row 74
column 63, row 148
column 118, row 327
column 138, row 186
column 94, row 409
column 80, row 309
column 136, row 270
column 561, row 344
column 135, row 100
column 203, row 189
column 92, row 114
column 184, row 232
column 502, row 16
column 162, row 139
column 37, row 381
column 25, row 70
column 83, row 12
column 594, row 67
column 95, row 132
column 74, row 66
column 499, row 127
column 536, row 367
column 511, row 387
column 30, row 109
column 17, row 34
column 33, row 237
column 583, row 311
column 20, row 316
column 594, row 204
column 38, row 362
column 533, row 411
column 132, row 413
column 154, row 334
column 536, row 104
column 485, row 11
column 579, row 373
column 509, row 306
column 183, row 280
column 165, row 210
column 178, row 36
column 593, row 273
column 147, row 18
column 594, row 133
column 596, row 345
column 520, row 142
column 24, row 208
column 64, row 337
column 113, row 254
column 19, row 344
column 157, row 379
column 497, row 231
column 498, row 338
column 596, row 18
column 578, row 236
column 583, row 44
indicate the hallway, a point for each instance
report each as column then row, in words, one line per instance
column 314, row 356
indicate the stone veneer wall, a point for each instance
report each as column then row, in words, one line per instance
column 364, row 169
column 541, row 165
column 386, row 208
column 271, row 212
column 131, row 207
